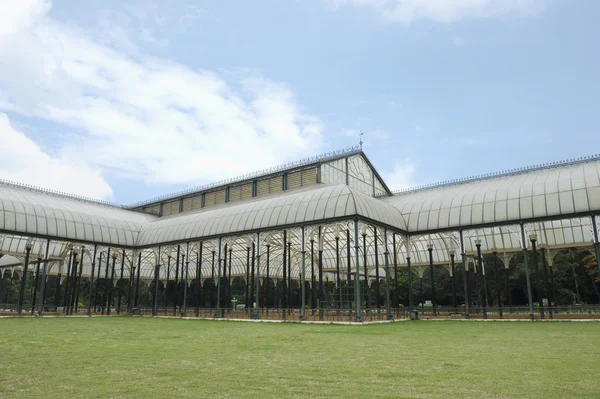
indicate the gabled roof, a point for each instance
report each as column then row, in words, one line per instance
column 276, row 170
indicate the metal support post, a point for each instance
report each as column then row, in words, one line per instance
column 257, row 296
column 68, row 280
column 313, row 280
column 359, row 317
column 216, row 315
column 156, row 283
column 482, row 278
column 302, row 277
column 465, row 277
column 120, row 280
column 452, row 268
column 37, row 283
column 321, row 294
column 377, row 283
column 110, row 288
column 91, row 288
column 106, row 282
column 526, row 266
column 498, row 296
column 44, row 273
column 396, row 290
column 24, row 279
column 548, row 290
column 386, row 255
column 368, row 289
column 97, row 283
column 137, row 284
column 176, row 293
column 411, row 304
column 185, row 283
column 78, row 285
column 538, row 282
column 267, row 283
column 433, row 301
column 337, row 269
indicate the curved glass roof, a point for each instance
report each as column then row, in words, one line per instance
column 292, row 208
column 556, row 202
column 546, row 193
column 38, row 213
column 29, row 212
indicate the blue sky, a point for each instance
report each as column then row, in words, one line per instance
column 128, row 100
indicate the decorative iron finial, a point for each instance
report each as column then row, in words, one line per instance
column 360, row 142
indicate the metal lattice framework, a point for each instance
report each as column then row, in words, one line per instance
column 345, row 219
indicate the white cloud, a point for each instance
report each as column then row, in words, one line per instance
column 447, row 11
column 21, row 160
column 17, row 15
column 143, row 117
column 402, row 175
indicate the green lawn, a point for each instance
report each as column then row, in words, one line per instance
column 146, row 358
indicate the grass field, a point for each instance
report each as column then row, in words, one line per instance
column 147, row 358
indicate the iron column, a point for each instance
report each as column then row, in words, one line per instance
column 526, row 266
column 218, row 280
column 156, row 283
column 337, row 266
column 533, row 239
column 396, row 293
column 368, row 292
column 110, row 287
column 44, row 273
column 387, row 276
column 120, row 279
column 24, row 278
column 411, row 304
column 35, row 287
column 257, row 296
column 137, row 285
column 482, row 277
column 321, row 294
column 90, row 291
column 377, row 284
column 433, row 301
column 359, row 317
column 302, row 278
column 187, row 266
column 452, row 255
column 465, row 282
column 106, row 282
column 79, row 282
column 97, row 283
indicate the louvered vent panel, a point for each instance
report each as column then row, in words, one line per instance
column 275, row 184
column 294, row 180
column 170, row 207
column 210, row 200
column 309, row 176
column 154, row 210
column 235, row 193
column 187, row 204
column 246, row 191
column 220, row 197
column 197, row 202
column 262, row 187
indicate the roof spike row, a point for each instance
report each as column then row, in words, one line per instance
column 58, row 193
column 305, row 161
column 519, row 170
